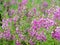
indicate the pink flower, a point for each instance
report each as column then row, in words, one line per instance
column 32, row 32
column 4, row 23
column 7, row 34
column 57, row 14
column 42, row 22
column 24, row 2
column 21, row 36
column 31, row 42
column 17, row 30
column 34, row 9
column 13, row 2
column 45, row 4
column 17, row 42
column 9, row 20
column 56, row 33
column 15, row 18
column 41, row 36
column 12, row 11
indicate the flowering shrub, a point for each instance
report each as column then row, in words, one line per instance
column 29, row 22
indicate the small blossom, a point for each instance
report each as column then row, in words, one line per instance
column 24, row 2
column 7, row 34
column 21, row 36
column 45, row 4
column 41, row 36
column 17, row 42
column 31, row 42
column 57, row 14
column 56, row 33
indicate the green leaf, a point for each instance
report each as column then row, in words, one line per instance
column 14, row 7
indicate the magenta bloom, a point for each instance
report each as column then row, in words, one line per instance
column 12, row 11
column 42, row 22
column 7, row 34
column 21, row 36
column 34, row 9
column 45, row 4
column 56, row 33
column 15, row 18
column 4, row 23
column 17, row 42
column 41, row 36
column 13, row 2
column 32, row 32
column 31, row 42
column 24, row 2
column 57, row 14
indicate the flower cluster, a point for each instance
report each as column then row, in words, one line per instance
column 42, row 22
column 25, row 25
column 56, row 33
column 57, row 13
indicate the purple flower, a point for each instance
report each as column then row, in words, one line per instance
column 34, row 27
column 34, row 9
column 13, row 2
column 41, row 36
column 32, row 33
column 15, row 18
column 42, row 22
column 9, row 20
column 45, row 4
column 4, row 23
column 31, row 42
column 56, row 33
column 17, row 30
column 7, row 34
column 57, row 14
column 24, row 2
column 21, row 36
column 12, row 12
column 17, row 42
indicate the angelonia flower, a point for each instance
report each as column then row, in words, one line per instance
column 12, row 12
column 9, row 20
column 24, row 2
column 41, row 36
column 31, row 42
column 18, row 18
column 17, row 42
column 21, row 36
column 45, row 4
column 29, row 14
column 4, row 23
column 50, row 11
column 42, row 22
column 57, row 14
column 34, row 9
column 13, row 37
column 17, row 30
column 32, row 33
column 19, row 8
column 7, row 34
column 15, row 18
column 56, row 33
column 13, row 2
column 5, row 4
